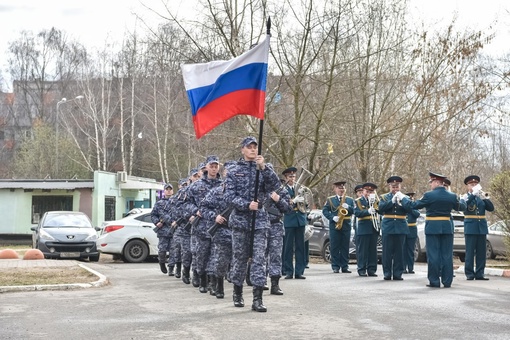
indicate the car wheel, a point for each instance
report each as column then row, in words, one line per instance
column 94, row 258
column 326, row 252
column 489, row 253
column 135, row 251
column 419, row 256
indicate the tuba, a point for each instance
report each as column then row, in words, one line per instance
column 303, row 191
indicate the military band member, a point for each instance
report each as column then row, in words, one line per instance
column 411, row 238
column 338, row 209
column 367, row 232
column 439, row 204
column 358, row 191
column 475, row 228
column 240, row 191
column 161, row 219
column 294, row 257
column 394, row 230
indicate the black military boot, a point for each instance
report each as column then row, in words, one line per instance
column 195, row 280
column 257, row 305
column 220, row 292
column 178, row 270
column 170, row 270
column 238, row 296
column 275, row 287
column 162, row 262
column 162, row 266
column 212, row 284
column 185, row 275
column 203, row 283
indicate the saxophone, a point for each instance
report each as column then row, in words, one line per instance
column 342, row 212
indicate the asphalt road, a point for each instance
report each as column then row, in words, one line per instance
column 142, row 303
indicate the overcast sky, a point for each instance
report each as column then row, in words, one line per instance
column 92, row 21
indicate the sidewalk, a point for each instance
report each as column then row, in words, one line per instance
column 102, row 280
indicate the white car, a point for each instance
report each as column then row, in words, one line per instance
column 132, row 237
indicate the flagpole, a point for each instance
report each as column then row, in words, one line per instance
column 257, row 174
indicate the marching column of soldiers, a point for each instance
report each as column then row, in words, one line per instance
column 228, row 226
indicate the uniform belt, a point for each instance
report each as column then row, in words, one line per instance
column 364, row 218
column 412, row 224
column 437, row 218
column 402, row 217
column 476, row 217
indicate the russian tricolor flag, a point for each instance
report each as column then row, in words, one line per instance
column 220, row 90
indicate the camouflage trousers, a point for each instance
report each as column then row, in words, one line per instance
column 274, row 255
column 203, row 249
column 193, row 245
column 184, row 247
column 222, row 258
column 164, row 246
column 174, row 252
column 241, row 253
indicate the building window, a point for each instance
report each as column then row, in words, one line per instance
column 42, row 204
column 109, row 208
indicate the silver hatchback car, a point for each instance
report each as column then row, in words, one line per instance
column 65, row 235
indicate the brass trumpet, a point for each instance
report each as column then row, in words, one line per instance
column 482, row 194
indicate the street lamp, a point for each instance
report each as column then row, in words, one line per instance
column 57, row 121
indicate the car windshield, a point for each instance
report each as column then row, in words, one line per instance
column 67, row 220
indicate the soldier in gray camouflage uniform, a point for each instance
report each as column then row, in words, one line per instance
column 278, row 204
column 240, row 191
column 176, row 222
column 212, row 208
column 183, row 235
column 161, row 219
column 196, row 194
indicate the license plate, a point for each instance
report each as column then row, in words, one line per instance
column 68, row 254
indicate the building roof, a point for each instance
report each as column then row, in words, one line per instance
column 45, row 184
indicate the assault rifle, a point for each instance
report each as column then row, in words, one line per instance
column 192, row 224
column 226, row 214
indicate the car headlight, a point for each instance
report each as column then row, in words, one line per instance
column 91, row 237
column 44, row 235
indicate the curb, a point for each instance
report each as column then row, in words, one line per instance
column 103, row 281
column 489, row 271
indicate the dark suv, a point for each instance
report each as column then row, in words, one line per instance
column 319, row 242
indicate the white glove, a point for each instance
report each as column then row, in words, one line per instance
column 464, row 197
column 335, row 219
column 371, row 210
column 299, row 199
column 345, row 205
column 476, row 189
